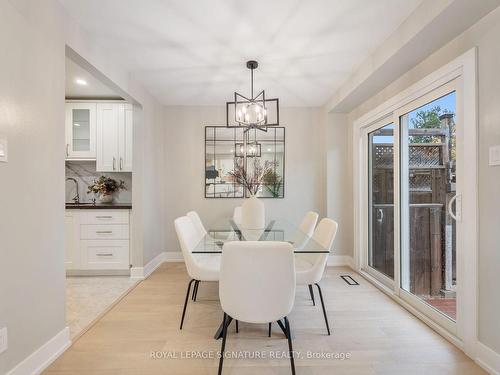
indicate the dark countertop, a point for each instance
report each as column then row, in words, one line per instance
column 99, row 206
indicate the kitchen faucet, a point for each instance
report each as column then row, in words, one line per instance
column 76, row 199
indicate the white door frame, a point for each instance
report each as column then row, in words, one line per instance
column 364, row 261
column 463, row 68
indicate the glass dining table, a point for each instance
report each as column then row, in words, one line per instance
column 226, row 230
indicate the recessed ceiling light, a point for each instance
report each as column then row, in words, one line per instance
column 80, row 81
column 76, row 124
column 268, row 149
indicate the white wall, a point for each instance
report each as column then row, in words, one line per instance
column 184, row 139
column 147, row 207
column 338, row 179
column 485, row 35
column 32, row 73
column 32, row 273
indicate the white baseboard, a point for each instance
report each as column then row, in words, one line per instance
column 141, row 273
column 173, row 256
column 488, row 359
column 41, row 358
column 340, row 261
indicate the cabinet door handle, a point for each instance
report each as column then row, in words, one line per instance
column 67, row 149
column 114, row 163
column 121, row 164
column 104, row 231
column 104, row 217
column 105, row 255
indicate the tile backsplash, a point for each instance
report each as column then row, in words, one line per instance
column 85, row 174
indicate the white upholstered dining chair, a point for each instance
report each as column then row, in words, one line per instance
column 200, row 229
column 200, row 267
column 198, row 224
column 310, row 267
column 309, row 223
column 257, row 285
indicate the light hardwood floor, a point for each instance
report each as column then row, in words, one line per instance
column 379, row 335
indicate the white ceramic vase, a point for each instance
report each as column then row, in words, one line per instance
column 253, row 213
column 106, row 198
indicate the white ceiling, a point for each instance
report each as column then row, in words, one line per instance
column 194, row 52
column 94, row 89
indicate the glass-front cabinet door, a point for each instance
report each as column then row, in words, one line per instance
column 80, row 130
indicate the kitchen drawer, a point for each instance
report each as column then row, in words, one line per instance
column 105, row 217
column 104, row 232
column 105, row 254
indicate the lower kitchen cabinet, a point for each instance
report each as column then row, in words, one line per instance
column 105, row 254
column 97, row 239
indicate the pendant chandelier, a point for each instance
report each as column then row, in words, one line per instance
column 255, row 112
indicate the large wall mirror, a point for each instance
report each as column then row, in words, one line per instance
column 224, row 149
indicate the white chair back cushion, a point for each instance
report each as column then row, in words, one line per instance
column 188, row 239
column 237, row 215
column 324, row 235
column 325, row 232
column 197, row 223
column 309, row 223
column 257, row 280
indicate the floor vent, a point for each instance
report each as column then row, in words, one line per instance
column 349, row 280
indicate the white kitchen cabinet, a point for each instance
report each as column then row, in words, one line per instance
column 107, row 137
column 105, row 254
column 114, row 137
column 125, row 134
column 100, row 131
column 80, row 127
column 97, row 240
column 71, row 239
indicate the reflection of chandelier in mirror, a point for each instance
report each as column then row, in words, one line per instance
column 253, row 150
column 252, row 112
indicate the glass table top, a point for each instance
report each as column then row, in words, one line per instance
column 276, row 230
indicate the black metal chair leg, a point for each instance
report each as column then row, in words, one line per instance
column 290, row 349
column 282, row 326
column 195, row 290
column 185, row 302
column 311, row 292
column 224, row 334
column 269, row 331
column 324, row 310
column 237, row 327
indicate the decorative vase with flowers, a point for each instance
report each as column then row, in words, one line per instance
column 253, row 215
column 105, row 188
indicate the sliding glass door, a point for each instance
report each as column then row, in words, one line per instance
column 428, row 175
column 381, row 203
column 411, row 189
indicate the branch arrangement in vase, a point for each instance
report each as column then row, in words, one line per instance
column 258, row 176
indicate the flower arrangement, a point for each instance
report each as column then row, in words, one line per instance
column 254, row 180
column 106, row 186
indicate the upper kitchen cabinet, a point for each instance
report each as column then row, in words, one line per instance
column 80, row 130
column 114, row 137
column 125, row 133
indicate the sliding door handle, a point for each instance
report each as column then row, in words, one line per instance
column 457, row 216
